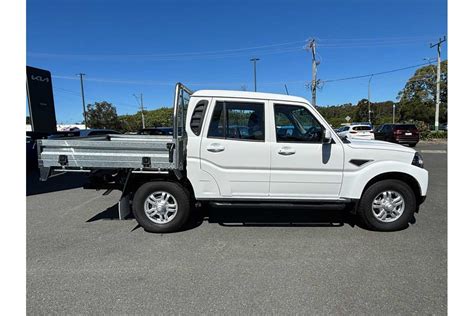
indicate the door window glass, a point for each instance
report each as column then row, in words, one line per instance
column 238, row 120
column 296, row 124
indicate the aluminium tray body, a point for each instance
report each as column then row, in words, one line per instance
column 112, row 151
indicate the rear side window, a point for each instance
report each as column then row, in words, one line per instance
column 197, row 117
column 387, row 128
column 361, row 128
column 238, row 120
column 405, row 126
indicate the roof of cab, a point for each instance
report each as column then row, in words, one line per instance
column 247, row 95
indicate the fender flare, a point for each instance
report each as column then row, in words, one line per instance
column 355, row 182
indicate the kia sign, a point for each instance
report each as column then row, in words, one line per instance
column 40, row 100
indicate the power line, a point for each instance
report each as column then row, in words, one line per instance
column 377, row 43
column 236, row 52
column 169, row 83
column 323, row 42
column 375, row 73
column 264, row 49
column 359, row 39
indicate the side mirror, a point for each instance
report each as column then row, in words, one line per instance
column 327, row 137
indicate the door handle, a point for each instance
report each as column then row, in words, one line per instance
column 215, row 148
column 286, row 151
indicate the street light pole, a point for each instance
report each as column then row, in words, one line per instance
column 370, row 79
column 393, row 114
column 254, row 60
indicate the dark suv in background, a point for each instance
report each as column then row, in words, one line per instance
column 156, row 131
column 398, row 133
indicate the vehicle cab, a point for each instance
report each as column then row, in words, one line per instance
column 246, row 145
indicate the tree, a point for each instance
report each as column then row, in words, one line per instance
column 362, row 111
column 159, row 117
column 162, row 117
column 130, row 123
column 102, row 115
column 418, row 97
column 336, row 114
column 28, row 120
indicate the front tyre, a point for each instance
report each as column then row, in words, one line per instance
column 161, row 207
column 387, row 205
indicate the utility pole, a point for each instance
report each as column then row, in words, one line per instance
column 81, row 75
column 368, row 98
column 142, row 109
column 438, row 80
column 143, row 114
column 312, row 46
column 254, row 60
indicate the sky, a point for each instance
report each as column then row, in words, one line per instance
column 145, row 46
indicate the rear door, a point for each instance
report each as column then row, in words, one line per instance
column 234, row 150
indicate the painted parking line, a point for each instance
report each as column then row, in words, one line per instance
column 433, row 151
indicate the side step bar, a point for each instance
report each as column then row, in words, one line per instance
column 304, row 205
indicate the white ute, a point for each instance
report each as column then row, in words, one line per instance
column 237, row 147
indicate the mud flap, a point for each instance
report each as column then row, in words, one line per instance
column 124, row 205
column 124, row 208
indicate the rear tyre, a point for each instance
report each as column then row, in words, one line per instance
column 161, row 207
column 387, row 205
column 412, row 145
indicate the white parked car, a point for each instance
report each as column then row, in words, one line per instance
column 357, row 132
column 245, row 148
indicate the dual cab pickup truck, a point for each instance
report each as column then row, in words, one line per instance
column 245, row 148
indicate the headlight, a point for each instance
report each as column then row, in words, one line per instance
column 417, row 160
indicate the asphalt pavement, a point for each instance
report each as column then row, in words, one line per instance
column 82, row 260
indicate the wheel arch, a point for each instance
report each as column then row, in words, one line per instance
column 136, row 180
column 404, row 177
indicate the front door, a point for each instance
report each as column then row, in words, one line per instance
column 234, row 151
column 302, row 167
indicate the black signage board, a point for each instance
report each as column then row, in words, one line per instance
column 40, row 100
